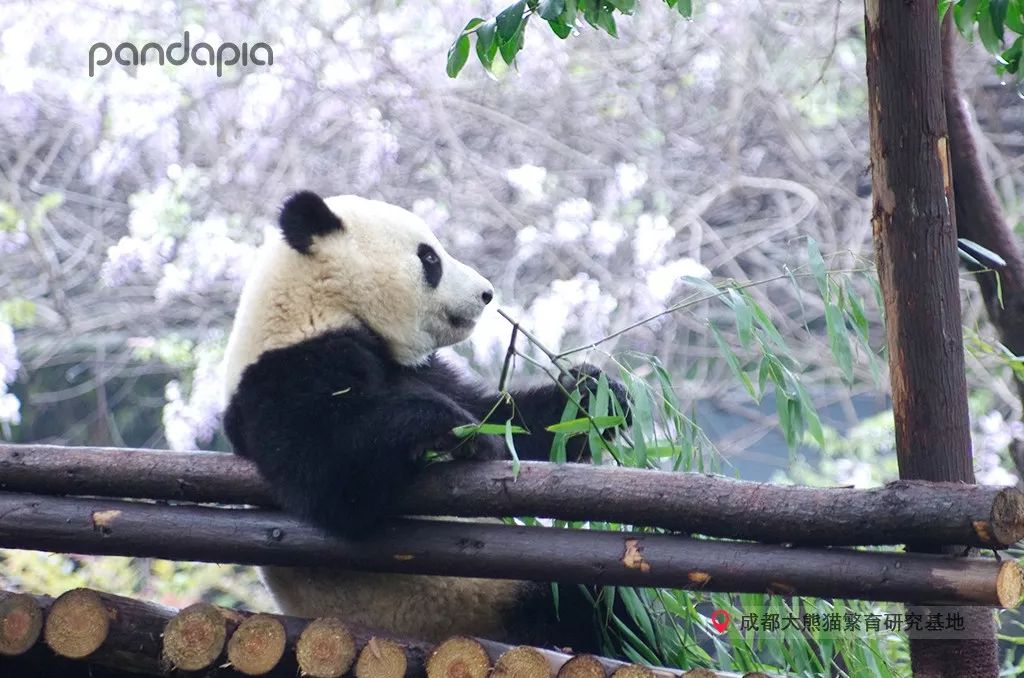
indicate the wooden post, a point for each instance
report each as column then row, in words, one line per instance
column 915, row 248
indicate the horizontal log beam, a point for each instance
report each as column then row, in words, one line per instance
column 266, row 537
column 137, row 635
column 900, row 512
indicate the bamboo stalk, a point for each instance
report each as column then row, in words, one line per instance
column 914, row 511
column 261, row 537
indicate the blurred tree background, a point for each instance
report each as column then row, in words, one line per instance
column 586, row 182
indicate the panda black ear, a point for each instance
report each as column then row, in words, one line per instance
column 305, row 215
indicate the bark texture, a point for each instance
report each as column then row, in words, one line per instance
column 262, row 537
column 916, row 255
column 945, row 513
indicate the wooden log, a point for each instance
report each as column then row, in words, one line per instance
column 132, row 642
column 77, row 624
column 261, row 537
column 326, row 648
column 459, row 657
column 133, row 646
column 381, row 658
column 21, row 622
column 257, row 645
column 194, row 638
column 923, row 512
column 521, row 662
column 582, row 666
column 633, row 671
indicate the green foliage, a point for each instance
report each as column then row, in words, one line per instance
column 169, row 583
column 999, row 25
column 504, row 33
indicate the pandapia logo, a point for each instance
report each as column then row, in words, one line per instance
column 202, row 54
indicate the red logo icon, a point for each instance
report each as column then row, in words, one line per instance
column 720, row 620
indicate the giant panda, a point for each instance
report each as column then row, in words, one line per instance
column 335, row 391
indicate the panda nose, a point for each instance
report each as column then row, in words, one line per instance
column 487, row 296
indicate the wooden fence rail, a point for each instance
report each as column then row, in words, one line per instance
column 902, row 512
column 267, row 537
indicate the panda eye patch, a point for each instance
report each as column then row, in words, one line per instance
column 431, row 264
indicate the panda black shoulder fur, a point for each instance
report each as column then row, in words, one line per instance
column 335, row 392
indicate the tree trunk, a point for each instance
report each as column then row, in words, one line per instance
column 979, row 217
column 915, row 248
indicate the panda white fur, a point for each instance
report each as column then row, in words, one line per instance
column 334, row 391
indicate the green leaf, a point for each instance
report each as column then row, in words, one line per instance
column 997, row 11
column 561, row 30
column 685, row 8
column 591, row 10
column 510, row 48
column 817, row 264
column 1014, row 21
column 839, row 341
column 744, row 318
column 701, row 284
column 606, row 21
column 468, row 430
column 963, row 15
column 486, row 45
column 624, row 6
column 583, row 424
column 550, row 10
column 734, row 363
column 509, row 21
column 457, row 56
column 987, row 33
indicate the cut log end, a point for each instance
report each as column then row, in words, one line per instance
column 756, row 674
column 194, row 637
column 21, row 623
column 77, row 624
column 381, row 658
column 521, row 662
column 1009, row 584
column 459, row 657
column 257, row 645
column 699, row 673
column 325, row 649
column 1007, row 524
column 582, row 666
column 633, row 671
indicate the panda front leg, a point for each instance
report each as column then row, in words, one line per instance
column 345, row 466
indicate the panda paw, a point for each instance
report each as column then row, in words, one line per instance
column 478, row 447
column 584, row 379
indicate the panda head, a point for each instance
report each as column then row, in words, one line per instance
column 380, row 265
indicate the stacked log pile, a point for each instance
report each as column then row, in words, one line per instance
column 114, row 635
